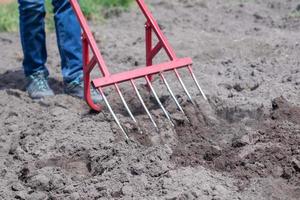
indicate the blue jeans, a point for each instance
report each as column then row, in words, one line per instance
column 33, row 38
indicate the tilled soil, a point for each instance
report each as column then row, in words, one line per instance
column 261, row 149
column 243, row 143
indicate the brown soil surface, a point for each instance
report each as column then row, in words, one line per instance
column 244, row 143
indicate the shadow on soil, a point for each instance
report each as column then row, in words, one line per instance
column 16, row 80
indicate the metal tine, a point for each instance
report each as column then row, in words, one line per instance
column 159, row 102
column 171, row 92
column 184, row 87
column 126, row 106
column 113, row 113
column 197, row 83
column 125, row 103
column 144, row 105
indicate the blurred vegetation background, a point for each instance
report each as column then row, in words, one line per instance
column 9, row 15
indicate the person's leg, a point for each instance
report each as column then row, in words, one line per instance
column 69, row 41
column 33, row 39
column 32, row 31
column 68, row 33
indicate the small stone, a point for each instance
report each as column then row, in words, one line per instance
column 254, row 87
column 69, row 189
column 38, row 196
column 58, row 111
column 3, row 172
column 280, row 156
column 13, row 128
column 127, row 190
column 222, row 190
column 287, row 173
column 286, row 78
column 227, row 62
column 137, row 169
column 14, row 144
column 226, row 86
column 253, row 66
column 21, row 195
column 57, row 181
column 258, row 164
column 296, row 164
column 144, row 180
column 100, row 187
column 171, row 198
column 194, row 195
column 75, row 196
column 17, row 187
column 212, row 153
column 178, row 118
column 238, row 87
column 257, row 16
column 205, row 192
column 40, row 181
column 277, row 171
column 15, row 93
column 240, row 142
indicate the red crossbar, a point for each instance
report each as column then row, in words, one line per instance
column 141, row 72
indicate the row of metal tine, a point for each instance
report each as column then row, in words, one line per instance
column 166, row 113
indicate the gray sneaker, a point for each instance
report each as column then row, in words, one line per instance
column 38, row 86
column 76, row 89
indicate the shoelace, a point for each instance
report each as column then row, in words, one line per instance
column 41, row 83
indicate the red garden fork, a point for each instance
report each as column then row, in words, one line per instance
column 108, row 79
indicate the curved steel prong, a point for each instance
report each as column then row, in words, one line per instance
column 158, row 101
column 144, row 105
column 127, row 107
column 172, row 94
column 197, row 83
column 124, row 103
column 112, row 112
column 183, row 86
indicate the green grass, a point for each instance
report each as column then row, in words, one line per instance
column 92, row 7
column 9, row 17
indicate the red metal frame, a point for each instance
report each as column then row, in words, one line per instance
column 108, row 79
